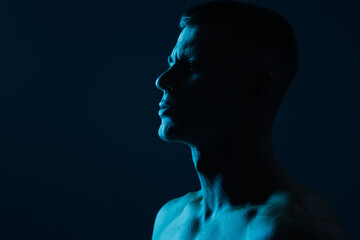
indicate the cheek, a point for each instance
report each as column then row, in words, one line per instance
column 209, row 108
column 211, row 97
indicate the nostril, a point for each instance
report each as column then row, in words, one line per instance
column 162, row 86
column 167, row 89
column 162, row 82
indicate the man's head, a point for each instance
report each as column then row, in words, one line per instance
column 228, row 72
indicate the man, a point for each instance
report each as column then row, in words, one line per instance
column 228, row 72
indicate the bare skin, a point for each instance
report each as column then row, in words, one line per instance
column 282, row 216
column 225, row 116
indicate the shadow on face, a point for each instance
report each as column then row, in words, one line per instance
column 203, row 93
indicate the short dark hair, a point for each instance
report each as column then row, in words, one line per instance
column 267, row 31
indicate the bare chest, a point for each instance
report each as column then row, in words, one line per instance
column 230, row 226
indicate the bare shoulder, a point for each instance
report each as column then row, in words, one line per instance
column 173, row 209
column 300, row 216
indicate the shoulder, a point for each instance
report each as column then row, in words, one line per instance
column 300, row 216
column 172, row 209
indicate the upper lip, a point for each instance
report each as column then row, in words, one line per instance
column 164, row 105
column 167, row 103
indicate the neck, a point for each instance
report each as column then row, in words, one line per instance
column 236, row 173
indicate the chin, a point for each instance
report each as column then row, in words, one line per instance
column 171, row 132
column 167, row 131
column 191, row 133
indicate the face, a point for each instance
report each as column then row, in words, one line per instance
column 202, row 94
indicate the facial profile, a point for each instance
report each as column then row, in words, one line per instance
column 200, row 92
column 225, row 75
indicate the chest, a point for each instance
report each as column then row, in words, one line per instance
column 231, row 226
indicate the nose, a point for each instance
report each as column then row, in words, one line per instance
column 165, row 81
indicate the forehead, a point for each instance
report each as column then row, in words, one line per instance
column 187, row 43
column 199, row 42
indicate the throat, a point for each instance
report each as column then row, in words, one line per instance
column 231, row 179
column 214, row 198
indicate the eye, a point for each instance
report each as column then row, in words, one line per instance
column 186, row 63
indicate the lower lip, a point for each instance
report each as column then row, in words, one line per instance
column 165, row 112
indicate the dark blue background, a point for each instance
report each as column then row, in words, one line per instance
column 80, row 156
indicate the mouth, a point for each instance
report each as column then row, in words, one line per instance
column 164, row 105
column 166, row 109
column 164, row 112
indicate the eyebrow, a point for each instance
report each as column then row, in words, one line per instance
column 182, row 57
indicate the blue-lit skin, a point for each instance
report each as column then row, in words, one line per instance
column 224, row 114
